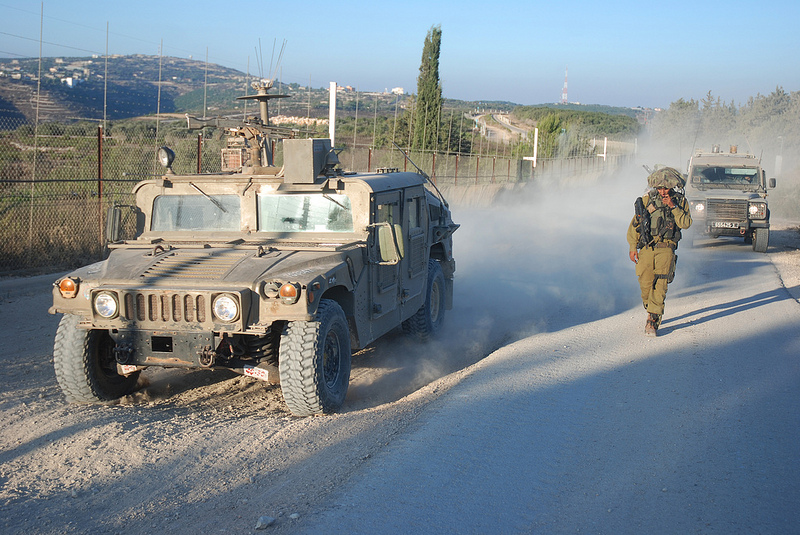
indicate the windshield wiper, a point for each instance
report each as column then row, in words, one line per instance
column 334, row 201
column 212, row 199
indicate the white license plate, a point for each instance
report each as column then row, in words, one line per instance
column 258, row 373
column 725, row 224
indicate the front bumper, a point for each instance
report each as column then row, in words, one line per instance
column 168, row 349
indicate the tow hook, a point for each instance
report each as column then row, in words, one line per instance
column 122, row 354
column 207, row 357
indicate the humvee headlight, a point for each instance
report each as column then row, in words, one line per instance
column 290, row 293
column 68, row 287
column 758, row 210
column 105, row 304
column 699, row 207
column 225, row 307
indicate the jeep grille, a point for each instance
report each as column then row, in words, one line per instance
column 726, row 210
column 158, row 307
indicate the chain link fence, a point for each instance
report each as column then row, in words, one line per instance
column 453, row 169
column 57, row 181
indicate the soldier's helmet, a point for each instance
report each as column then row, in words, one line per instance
column 666, row 177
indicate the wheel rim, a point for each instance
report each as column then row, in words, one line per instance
column 331, row 359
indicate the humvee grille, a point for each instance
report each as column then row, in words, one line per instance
column 162, row 307
column 718, row 209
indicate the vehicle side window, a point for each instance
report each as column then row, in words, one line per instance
column 414, row 211
column 386, row 213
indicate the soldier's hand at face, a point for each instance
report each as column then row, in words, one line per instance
column 666, row 198
column 634, row 256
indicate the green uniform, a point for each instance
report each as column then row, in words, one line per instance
column 656, row 260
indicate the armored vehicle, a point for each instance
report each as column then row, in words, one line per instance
column 275, row 273
column 727, row 194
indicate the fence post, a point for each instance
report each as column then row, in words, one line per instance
column 100, row 184
column 199, row 153
column 477, row 166
column 494, row 162
column 455, row 179
column 369, row 159
column 433, row 169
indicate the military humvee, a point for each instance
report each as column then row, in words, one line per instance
column 727, row 193
column 275, row 273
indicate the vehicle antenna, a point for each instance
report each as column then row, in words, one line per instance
column 423, row 173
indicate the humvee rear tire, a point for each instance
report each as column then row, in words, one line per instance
column 760, row 240
column 85, row 366
column 314, row 362
column 429, row 318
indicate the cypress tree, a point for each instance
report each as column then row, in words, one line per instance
column 429, row 93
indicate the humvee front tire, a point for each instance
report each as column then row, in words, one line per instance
column 314, row 362
column 85, row 366
column 760, row 240
column 429, row 318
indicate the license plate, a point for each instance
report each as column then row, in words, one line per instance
column 258, row 373
column 128, row 369
column 725, row 224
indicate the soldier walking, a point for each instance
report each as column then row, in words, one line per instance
column 653, row 236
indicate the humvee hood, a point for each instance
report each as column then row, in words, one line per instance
column 241, row 267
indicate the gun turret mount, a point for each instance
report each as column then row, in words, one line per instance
column 262, row 96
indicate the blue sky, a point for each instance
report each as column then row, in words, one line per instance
column 619, row 53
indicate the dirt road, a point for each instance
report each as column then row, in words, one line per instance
column 574, row 422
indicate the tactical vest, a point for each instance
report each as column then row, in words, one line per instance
column 662, row 222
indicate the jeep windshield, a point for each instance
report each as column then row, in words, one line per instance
column 304, row 212
column 725, row 176
column 196, row 212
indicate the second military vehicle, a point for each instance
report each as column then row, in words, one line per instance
column 275, row 273
column 727, row 193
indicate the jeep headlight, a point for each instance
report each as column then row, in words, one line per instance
column 225, row 307
column 105, row 304
column 758, row 210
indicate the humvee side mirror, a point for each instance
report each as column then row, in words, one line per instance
column 772, row 183
column 389, row 243
column 113, row 224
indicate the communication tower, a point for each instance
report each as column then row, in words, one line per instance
column 564, row 91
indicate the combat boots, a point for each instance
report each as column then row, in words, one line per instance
column 651, row 325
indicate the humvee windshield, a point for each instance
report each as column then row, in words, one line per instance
column 316, row 212
column 725, row 175
column 196, row 212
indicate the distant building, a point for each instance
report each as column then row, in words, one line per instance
column 398, row 91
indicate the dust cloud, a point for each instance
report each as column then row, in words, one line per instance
column 541, row 258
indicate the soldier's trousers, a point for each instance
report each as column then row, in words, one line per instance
column 653, row 269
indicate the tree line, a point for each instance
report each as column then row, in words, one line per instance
column 765, row 125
